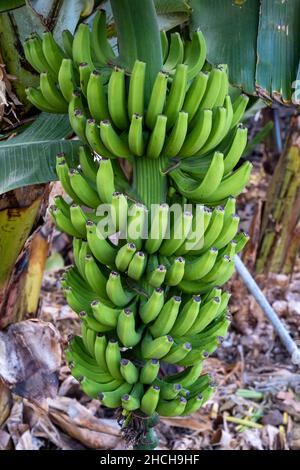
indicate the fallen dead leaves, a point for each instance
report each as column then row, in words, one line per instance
column 30, row 356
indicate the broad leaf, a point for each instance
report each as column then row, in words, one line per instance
column 230, row 30
column 172, row 13
column 259, row 40
column 29, row 158
column 6, row 5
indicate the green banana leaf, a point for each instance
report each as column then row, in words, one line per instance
column 29, row 158
column 258, row 39
column 6, row 5
column 172, row 13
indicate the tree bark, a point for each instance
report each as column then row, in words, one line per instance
column 280, row 228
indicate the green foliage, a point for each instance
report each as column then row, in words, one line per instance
column 28, row 158
column 257, row 39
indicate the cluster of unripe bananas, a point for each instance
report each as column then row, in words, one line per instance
column 150, row 300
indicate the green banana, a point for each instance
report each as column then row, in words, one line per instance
column 175, row 98
column 84, row 76
column 202, row 265
column 194, row 95
column 175, row 53
column 105, row 314
column 157, row 137
column 76, row 102
column 129, row 371
column 93, row 389
column 113, row 359
column 150, row 400
column 193, row 405
column 100, row 351
column 157, row 99
column 133, row 401
column 232, row 185
column 116, row 292
column 187, row 377
column 87, row 163
column 78, row 219
column 212, row 91
column 194, row 190
column 96, row 97
column 149, row 371
column 136, row 89
column 150, row 308
column 177, row 353
column 105, row 180
column 94, row 276
column 92, row 135
column 137, row 224
column 63, row 223
column 217, row 130
column 114, row 399
column 164, row 44
column 60, row 202
column 236, row 149
column 35, row 96
column 82, row 188
column 197, row 137
column 195, row 55
column 229, row 231
column 176, row 272
column 157, row 347
column 101, row 248
column 119, row 208
column 168, row 391
column 51, row 93
column 102, row 51
column 117, row 105
column 81, row 46
column 126, row 329
column 213, row 230
column 66, row 79
column 241, row 240
column 175, row 140
column 166, row 318
column 93, row 324
column 53, row 53
column 112, row 140
column 186, row 316
column 124, row 256
column 156, row 277
column 36, row 55
column 206, row 315
column 239, row 107
column 159, row 226
column 135, row 135
column 179, row 232
column 171, row 407
column 137, row 265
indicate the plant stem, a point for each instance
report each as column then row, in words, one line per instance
column 148, row 180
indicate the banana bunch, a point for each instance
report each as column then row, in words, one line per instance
column 138, row 297
column 146, row 283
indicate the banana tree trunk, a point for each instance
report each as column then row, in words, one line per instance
column 23, row 258
column 280, row 227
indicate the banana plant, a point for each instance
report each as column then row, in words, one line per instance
column 151, row 251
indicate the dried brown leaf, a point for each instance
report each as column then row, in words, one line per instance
column 30, row 355
column 196, row 423
column 79, row 423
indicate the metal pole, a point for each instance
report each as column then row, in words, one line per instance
column 254, row 289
